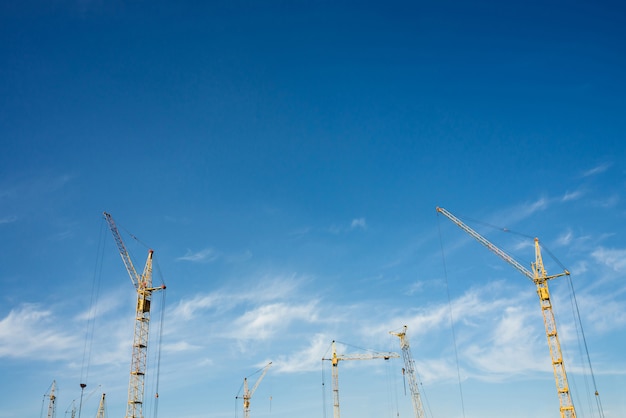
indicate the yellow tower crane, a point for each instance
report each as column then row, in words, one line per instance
column 143, row 286
column 409, row 368
column 336, row 358
column 540, row 278
column 247, row 394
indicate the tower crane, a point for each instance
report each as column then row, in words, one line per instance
column 71, row 409
column 336, row 358
column 540, row 278
column 101, row 411
column 247, row 394
column 143, row 286
column 409, row 365
column 52, row 405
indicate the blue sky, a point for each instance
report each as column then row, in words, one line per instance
column 284, row 160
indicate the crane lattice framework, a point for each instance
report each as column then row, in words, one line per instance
column 52, row 404
column 143, row 286
column 409, row 365
column 247, row 394
column 540, row 278
column 336, row 358
column 101, row 409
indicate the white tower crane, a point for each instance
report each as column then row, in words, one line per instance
column 52, row 405
column 247, row 394
column 336, row 358
column 101, row 410
column 409, row 366
column 540, row 278
column 143, row 286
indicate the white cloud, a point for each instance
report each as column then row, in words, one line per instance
column 178, row 347
column 207, row 255
column 265, row 321
column 596, row 170
column 187, row 309
column 106, row 304
column 266, row 289
column 30, row 332
column 613, row 258
column 569, row 196
column 8, row 219
column 358, row 223
column 305, row 360
column 508, row 348
column 565, row 238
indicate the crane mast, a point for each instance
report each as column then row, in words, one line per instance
column 540, row 278
column 143, row 286
column 247, row 394
column 101, row 410
column 52, row 405
column 409, row 365
column 336, row 358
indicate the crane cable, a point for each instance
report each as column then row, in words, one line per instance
column 323, row 386
column 159, row 346
column 92, row 314
column 456, row 352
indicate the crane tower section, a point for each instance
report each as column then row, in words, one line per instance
column 540, row 278
column 144, row 289
column 52, row 404
column 409, row 365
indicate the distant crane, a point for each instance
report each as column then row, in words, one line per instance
column 409, row 368
column 247, row 394
column 540, row 278
column 143, row 286
column 52, row 404
column 71, row 409
column 336, row 358
column 101, row 411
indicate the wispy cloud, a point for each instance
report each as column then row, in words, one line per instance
column 32, row 332
column 358, row 223
column 518, row 213
column 108, row 303
column 206, row 255
column 571, row 196
column 613, row 258
column 507, row 349
column 565, row 238
column 596, row 170
column 179, row 347
column 267, row 289
column 266, row 321
column 306, row 359
column 8, row 219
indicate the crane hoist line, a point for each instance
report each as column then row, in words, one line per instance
column 144, row 289
column 540, row 277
